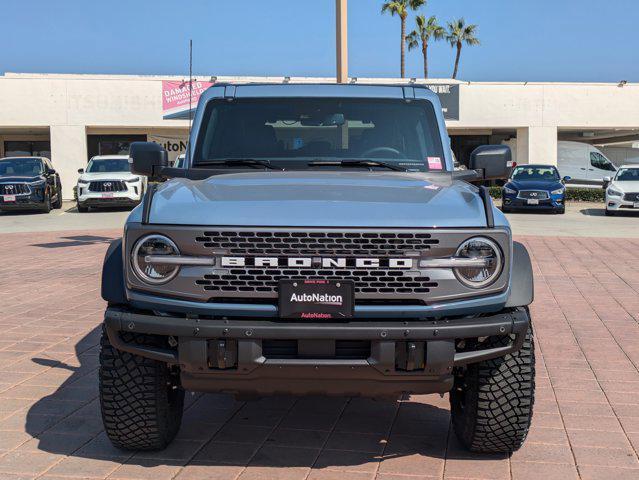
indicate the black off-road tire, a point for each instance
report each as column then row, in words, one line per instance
column 140, row 398
column 492, row 401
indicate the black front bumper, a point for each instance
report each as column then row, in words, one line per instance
column 253, row 372
column 33, row 201
column 522, row 204
column 109, row 202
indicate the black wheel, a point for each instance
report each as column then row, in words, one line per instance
column 58, row 201
column 81, row 208
column 610, row 213
column 46, row 208
column 141, row 399
column 492, row 401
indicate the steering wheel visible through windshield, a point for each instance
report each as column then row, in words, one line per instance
column 627, row 175
column 26, row 167
column 532, row 173
column 110, row 165
column 290, row 133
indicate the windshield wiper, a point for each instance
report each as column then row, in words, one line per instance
column 251, row 162
column 356, row 163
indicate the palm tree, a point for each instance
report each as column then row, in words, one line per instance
column 401, row 8
column 426, row 29
column 459, row 33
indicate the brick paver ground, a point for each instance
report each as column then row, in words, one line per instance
column 585, row 425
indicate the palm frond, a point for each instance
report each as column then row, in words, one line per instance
column 412, row 40
column 396, row 7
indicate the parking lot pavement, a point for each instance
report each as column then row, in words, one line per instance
column 581, row 220
column 586, row 417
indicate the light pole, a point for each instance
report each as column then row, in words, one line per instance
column 341, row 39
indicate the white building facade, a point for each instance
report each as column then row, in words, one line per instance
column 70, row 118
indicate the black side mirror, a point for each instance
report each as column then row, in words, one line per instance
column 51, row 171
column 491, row 161
column 148, row 158
column 80, row 170
column 566, row 179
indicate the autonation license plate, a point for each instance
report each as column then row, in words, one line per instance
column 316, row 299
column 9, row 198
column 533, row 201
column 107, row 195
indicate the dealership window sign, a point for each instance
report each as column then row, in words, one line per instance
column 449, row 97
column 175, row 96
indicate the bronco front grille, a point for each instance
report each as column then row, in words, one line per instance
column 250, row 279
column 316, row 243
column 107, row 186
column 631, row 197
column 374, row 280
column 14, row 189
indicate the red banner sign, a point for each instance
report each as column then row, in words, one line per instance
column 175, row 95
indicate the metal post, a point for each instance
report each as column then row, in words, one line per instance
column 341, row 39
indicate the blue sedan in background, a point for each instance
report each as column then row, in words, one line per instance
column 534, row 187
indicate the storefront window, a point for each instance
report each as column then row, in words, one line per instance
column 15, row 148
column 111, row 144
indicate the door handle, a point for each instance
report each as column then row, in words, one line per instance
column 582, row 168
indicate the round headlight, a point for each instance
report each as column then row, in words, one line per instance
column 154, row 272
column 479, row 248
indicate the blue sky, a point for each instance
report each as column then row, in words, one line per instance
column 540, row 40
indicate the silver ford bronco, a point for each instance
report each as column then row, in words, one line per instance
column 317, row 242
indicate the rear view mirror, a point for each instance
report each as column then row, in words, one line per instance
column 148, row 158
column 490, row 161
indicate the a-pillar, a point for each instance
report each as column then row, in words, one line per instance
column 68, row 154
column 537, row 145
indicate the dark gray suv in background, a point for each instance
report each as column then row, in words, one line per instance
column 317, row 241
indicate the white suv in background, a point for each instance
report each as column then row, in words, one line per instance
column 108, row 182
column 622, row 191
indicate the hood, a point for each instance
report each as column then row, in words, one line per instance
column 626, row 187
column 87, row 177
column 535, row 185
column 319, row 199
column 20, row 178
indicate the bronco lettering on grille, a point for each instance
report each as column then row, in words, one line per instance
column 307, row 262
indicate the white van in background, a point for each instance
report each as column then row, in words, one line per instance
column 584, row 164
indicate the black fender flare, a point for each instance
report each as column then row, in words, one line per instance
column 522, row 289
column 113, row 291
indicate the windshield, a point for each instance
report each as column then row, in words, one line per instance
column 529, row 173
column 290, row 132
column 108, row 165
column 27, row 167
column 628, row 175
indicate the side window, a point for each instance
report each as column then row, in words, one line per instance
column 597, row 160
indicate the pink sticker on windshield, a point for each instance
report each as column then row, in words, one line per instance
column 434, row 163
